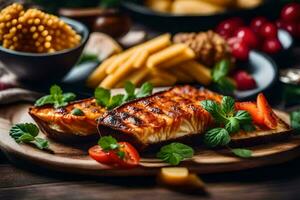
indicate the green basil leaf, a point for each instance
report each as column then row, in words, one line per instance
column 295, row 120
column 44, row 100
column 220, row 70
column 243, row 116
column 121, row 154
column 145, row 90
column 216, row 137
column 175, row 152
column 227, row 106
column 130, row 89
column 102, row 96
column 77, row 112
column 41, row 143
column 115, row 101
column 243, row 153
column 55, row 90
column 215, row 110
column 108, row 143
column 233, row 125
column 26, row 137
column 67, row 97
column 225, row 85
column 18, row 130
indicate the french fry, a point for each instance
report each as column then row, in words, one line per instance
column 188, row 54
column 141, row 59
column 190, row 7
column 122, row 71
column 168, row 77
column 135, row 77
column 159, row 82
column 196, row 70
column 166, row 54
column 121, row 58
column 99, row 74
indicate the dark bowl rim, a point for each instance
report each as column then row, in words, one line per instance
column 75, row 24
column 141, row 9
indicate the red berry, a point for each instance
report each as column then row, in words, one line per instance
column 291, row 28
column 271, row 46
column 268, row 30
column 240, row 51
column 227, row 27
column 291, row 12
column 257, row 22
column 247, row 36
column 244, row 80
column 280, row 24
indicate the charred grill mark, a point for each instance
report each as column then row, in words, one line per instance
column 156, row 110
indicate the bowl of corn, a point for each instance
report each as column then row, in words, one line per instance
column 37, row 46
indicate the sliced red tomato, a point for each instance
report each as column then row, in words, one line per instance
column 130, row 157
column 266, row 111
column 252, row 109
column 97, row 153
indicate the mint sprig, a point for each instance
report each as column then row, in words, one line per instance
column 104, row 98
column 27, row 133
column 175, row 152
column 56, row 97
column 229, row 121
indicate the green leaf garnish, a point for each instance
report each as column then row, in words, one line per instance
column 104, row 98
column 229, row 120
column 216, row 137
column 26, row 133
column 57, row 98
column 220, row 76
column 77, row 112
column 295, row 120
column 175, row 152
column 108, row 143
column 243, row 153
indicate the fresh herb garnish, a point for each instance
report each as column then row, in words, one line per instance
column 229, row 121
column 220, row 76
column 57, row 98
column 27, row 133
column 295, row 120
column 104, row 97
column 175, row 152
column 109, row 143
column 243, row 153
column 77, row 112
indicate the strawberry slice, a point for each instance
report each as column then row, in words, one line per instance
column 252, row 109
column 266, row 112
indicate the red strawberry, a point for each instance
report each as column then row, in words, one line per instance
column 266, row 111
column 244, row 80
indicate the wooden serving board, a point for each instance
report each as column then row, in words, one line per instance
column 75, row 159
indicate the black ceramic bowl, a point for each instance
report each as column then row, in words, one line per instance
column 44, row 67
column 185, row 23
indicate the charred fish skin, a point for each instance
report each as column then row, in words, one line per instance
column 62, row 125
column 168, row 115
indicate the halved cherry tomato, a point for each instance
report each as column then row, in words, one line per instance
column 131, row 157
column 97, row 153
column 266, row 111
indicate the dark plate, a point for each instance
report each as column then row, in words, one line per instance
column 180, row 23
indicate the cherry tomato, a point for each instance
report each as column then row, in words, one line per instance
column 240, row 51
column 268, row 30
column 131, row 156
column 291, row 12
column 257, row 22
column 247, row 36
column 97, row 153
column 228, row 27
column 244, row 80
column 280, row 23
column 291, row 28
column 272, row 46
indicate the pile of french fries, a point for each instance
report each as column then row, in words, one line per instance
column 200, row 7
column 157, row 61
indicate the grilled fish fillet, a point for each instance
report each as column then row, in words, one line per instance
column 60, row 124
column 170, row 115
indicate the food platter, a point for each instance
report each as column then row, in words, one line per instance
column 74, row 158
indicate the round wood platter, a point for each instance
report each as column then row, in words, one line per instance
column 75, row 159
